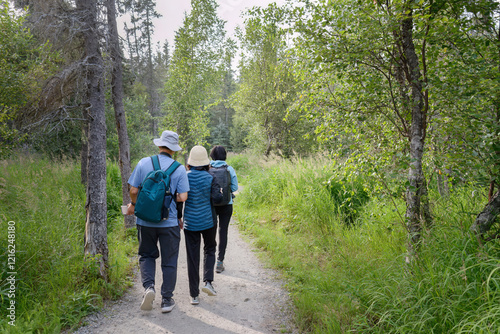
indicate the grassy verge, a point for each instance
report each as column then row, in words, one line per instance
column 341, row 248
column 54, row 286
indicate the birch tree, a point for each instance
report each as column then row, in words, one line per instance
column 268, row 88
column 371, row 87
column 196, row 72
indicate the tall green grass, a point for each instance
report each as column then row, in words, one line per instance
column 453, row 286
column 341, row 248
column 55, row 286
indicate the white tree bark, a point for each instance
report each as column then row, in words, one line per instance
column 417, row 210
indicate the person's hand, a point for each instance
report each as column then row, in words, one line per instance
column 181, row 224
column 130, row 209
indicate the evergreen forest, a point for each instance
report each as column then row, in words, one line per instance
column 365, row 135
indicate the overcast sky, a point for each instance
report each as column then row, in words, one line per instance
column 172, row 12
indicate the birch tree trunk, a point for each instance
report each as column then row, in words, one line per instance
column 117, row 97
column 417, row 209
column 96, row 243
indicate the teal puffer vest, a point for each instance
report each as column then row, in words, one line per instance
column 198, row 209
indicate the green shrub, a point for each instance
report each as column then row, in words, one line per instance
column 349, row 196
column 303, row 190
column 239, row 162
column 113, row 191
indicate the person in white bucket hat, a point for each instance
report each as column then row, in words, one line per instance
column 199, row 215
column 168, row 139
column 166, row 232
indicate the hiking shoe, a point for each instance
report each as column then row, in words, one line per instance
column 147, row 300
column 195, row 300
column 220, row 267
column 167, row 304
column 209, row 289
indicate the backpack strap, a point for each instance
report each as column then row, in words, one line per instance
column 169, row 171
column 156, row 165
column 172, row 167
column 156, row 162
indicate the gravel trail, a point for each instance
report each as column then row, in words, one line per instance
column 250, row 299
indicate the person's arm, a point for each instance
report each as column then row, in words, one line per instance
column 182, row 197
column 180, row 207
column 133, row 197
column 234, row 179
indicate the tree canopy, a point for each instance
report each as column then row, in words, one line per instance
column 24, row 65
column 408, row 91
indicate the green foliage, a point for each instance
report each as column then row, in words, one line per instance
column 356, row 279
column 240, row 162
column 139, row 34
column 220, row 135
column 138, row 125
column 24, row 64
column 348, row 57
column 140, row 138
column 56, row 287
column 348, row 196
column 221, row 115
column 268, row 89
column 466, row 89
column 113, row 192
column 449, row 289
column 306, row 189
column 77, row 305
column 56, row 141
column 196, row 72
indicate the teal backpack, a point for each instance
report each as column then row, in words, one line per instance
column 154, row 197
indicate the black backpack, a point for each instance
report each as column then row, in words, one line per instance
column 223, row 179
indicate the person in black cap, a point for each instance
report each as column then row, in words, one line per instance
column 224, row 212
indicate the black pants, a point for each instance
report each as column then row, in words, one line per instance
column 224, row 214
column 193, row 244
column 169, row 238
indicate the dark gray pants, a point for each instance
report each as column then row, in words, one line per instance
column 169, row 238
column 193, row 245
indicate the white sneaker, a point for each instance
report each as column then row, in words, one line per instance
column 209, row 289
column 195, row 300
column 147, row 300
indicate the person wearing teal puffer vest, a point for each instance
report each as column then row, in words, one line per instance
column 199, row 215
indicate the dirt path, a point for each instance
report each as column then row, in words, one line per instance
column 250, row 300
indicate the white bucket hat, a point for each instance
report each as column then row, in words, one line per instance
column 168, row 139
column 198, row 157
